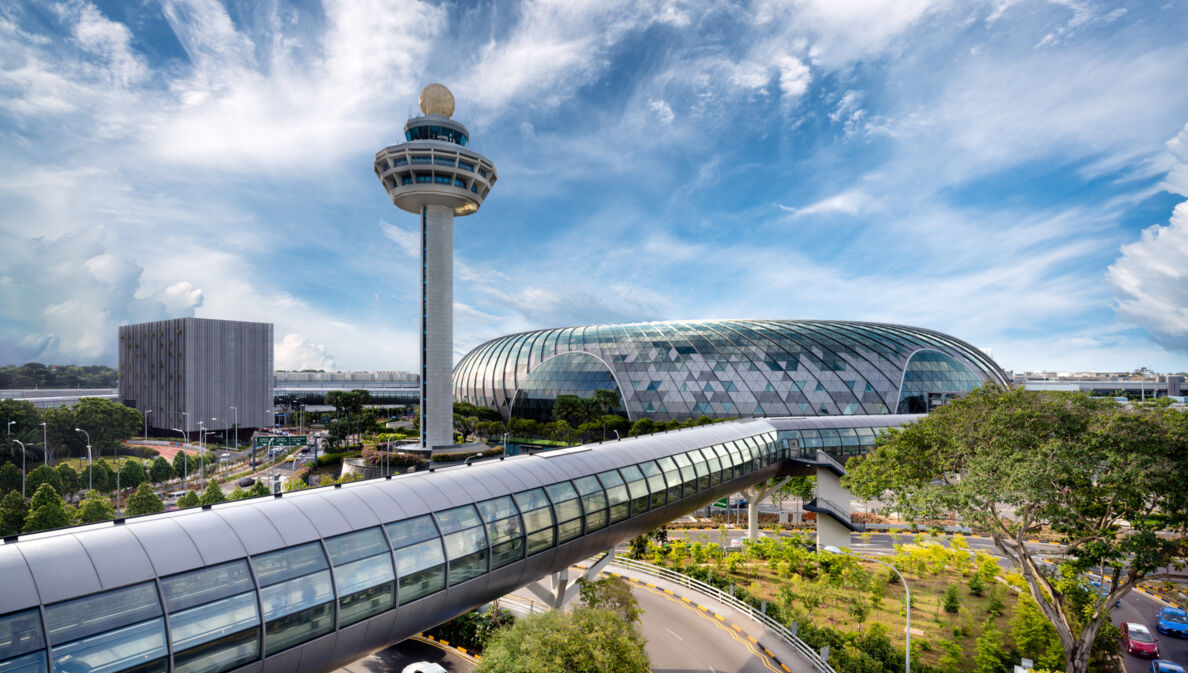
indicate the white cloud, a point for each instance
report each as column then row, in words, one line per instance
column 295, row 352
column 662, row 111
column 794, row 76
column 409, row 241
column 1151, row 279
column 850, row 202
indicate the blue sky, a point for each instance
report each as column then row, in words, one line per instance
column 1011, row 172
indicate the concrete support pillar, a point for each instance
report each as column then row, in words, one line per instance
column 557, row 591
column 829, row 530
column 437, row 326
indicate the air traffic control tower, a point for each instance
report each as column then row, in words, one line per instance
column 434, row 175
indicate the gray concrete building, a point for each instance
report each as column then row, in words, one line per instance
column 194, row 373
column 434, row 175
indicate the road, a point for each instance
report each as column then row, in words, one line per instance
column 396, row 657
column 1142, row 609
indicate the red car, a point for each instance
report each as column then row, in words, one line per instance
column 1137, row 640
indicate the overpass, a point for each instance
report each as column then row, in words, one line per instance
column 309, row 580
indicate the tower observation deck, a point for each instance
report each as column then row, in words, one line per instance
column 434, row 175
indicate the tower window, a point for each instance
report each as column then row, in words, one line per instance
column 406, row 179
column 440, row 161
column 465, row 166
column 419, row 159
column 459, row 182
column 424, row 178
column 400, row 161
column 442, row 179
column 482, row 172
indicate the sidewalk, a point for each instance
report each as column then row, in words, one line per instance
column 785, row 655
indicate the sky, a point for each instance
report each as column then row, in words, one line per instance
column 1011, row 172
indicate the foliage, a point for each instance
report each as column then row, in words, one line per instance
column 977, row 585
column 13, row 511
column 94, row 507
column 143, row 501
column 213, row 494
column 161, row 470
column 474, row 629
column 69, row 478
column 190, row 499
column 1063, row 461
column 586, row 640
column 989, row 651
column 1034, row 635
column 132, row 474
column 43, row 474
column 952, row 658
column 98, row 475
column 10, row 478
column 258, row 489
column 46, row 511
column 236, row 493
column 952, row 602
column 108, row 422
column 37, row 375
column 610, row 593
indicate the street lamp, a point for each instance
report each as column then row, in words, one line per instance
column 22, row 467
column 145, row 414
column 90, row 462
column 8, row 434
column 907, row 661
column 236, row 427
column 44, row 444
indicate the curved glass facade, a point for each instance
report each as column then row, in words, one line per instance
column 567, row 374
column 725, row 368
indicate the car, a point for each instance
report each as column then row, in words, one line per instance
column 1137, row 640
column 246, row 482
column 1165, row 666
column 1173, row 622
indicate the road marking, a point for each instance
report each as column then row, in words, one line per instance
column 674, row 635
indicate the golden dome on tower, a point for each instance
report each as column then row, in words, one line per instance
column 435, row 99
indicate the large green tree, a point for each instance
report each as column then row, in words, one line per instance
column 10, row 478
column 46, row 511
column 95, row 507
column 606, row 401
column 108, row 423
column 161, row 470
column 26, row 427
column 69, row 478
column 213, row 494
column 13, row 511
column 132, row 474
column 43, row 475
column 1108, row 479
column 586, row 640
column 143, row 501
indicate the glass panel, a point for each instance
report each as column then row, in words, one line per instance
column 365, row 588
column 101, row 612
column 206, row 585
column 222, row 654
column 217, row 636
column 468, row 567
column 297, row 610
column 20, row 632
column 419, row 584
column 593, row 502
column 540, row 540
column 568, row 530
column 354, row 546
column 530, row 500
column 453, row 520
column 30, row 663
column 616, row 493
column 537, row 519
column 279, row 566
column 139, row 647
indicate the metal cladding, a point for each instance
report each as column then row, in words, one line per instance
column 311, row 580
column 726, row 368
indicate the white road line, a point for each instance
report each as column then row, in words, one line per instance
column 674, row 635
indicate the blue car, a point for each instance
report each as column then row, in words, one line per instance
column 1173, row 622
column 1165, row 666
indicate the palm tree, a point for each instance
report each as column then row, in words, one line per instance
column 606, row 401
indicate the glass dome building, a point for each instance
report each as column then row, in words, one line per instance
column 725, row 368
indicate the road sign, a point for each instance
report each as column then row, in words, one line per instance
column 281, row 440
column 722, row 504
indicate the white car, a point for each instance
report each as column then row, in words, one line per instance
column 423, row 667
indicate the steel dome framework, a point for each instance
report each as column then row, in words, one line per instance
column 726, row 368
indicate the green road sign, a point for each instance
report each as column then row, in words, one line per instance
column 282, row 440
column 722, row 504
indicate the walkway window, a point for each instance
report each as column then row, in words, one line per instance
column 672, row 475
column 689, row 472
column 637, row 488
column 119, row 630
column 420, row 562
column 296, row 595
column 505, row 533
column 538, row 519
column 616, row 494
column 465, row 543
column 22, row 647
column 569, row 510
column 363, row 575
column 593, row 502
column 739, row 467
column 720, row 452
column 214, row 624
column 657, row 491
column 705, row 478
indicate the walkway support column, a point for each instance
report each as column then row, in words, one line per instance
column 754, row 496
column 830, row 531
column 556, row 590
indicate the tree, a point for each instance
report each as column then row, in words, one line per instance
column 236, row 493
column 213, row 494
column 69, row 478
column 951, row 602
column 161, row 471
column 132, row 474
column 606, row 401
column 94, row 507
column 1034, row 636
column 1060, row 460
column 977, row 586
column 10, row 478
column 989, row 650
column 143, row 501
column 258, row 489
column 108, row 422
column 183, row 464
column 25, row 426
column 46, row 511
column 43, row 474
column 102, row 475
column 610, row 593
column 583, row 641
column 568, row 408
column 190, row 499
column 13, row 511
column 644, row 426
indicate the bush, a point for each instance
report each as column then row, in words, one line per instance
column 977, row 585
column 583, row 641
column 952, row 602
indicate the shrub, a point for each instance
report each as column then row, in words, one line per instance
column 952, row 602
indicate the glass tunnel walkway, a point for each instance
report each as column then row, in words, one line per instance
column 311, row 580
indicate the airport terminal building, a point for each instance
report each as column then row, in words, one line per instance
column 726, row 368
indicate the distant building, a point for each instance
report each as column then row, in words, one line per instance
column 1104, row 384
column 188, row 371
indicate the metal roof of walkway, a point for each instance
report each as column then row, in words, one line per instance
column 309, row 580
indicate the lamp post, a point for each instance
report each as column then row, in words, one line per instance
column 90, row 462
column 185, row 459
column 212, row 423
column 907, row 631
column 145, row 414
column 201, row 452
column 22, row 467
column 236, row 427
column 44, row 444
column 8, row 434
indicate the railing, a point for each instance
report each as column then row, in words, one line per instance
column 720, row 596
column 837, row 512
column 827, row 459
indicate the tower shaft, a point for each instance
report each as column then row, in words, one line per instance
column 437, row 325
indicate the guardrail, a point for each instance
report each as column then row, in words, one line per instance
column 788, row 635
column 827, row 459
